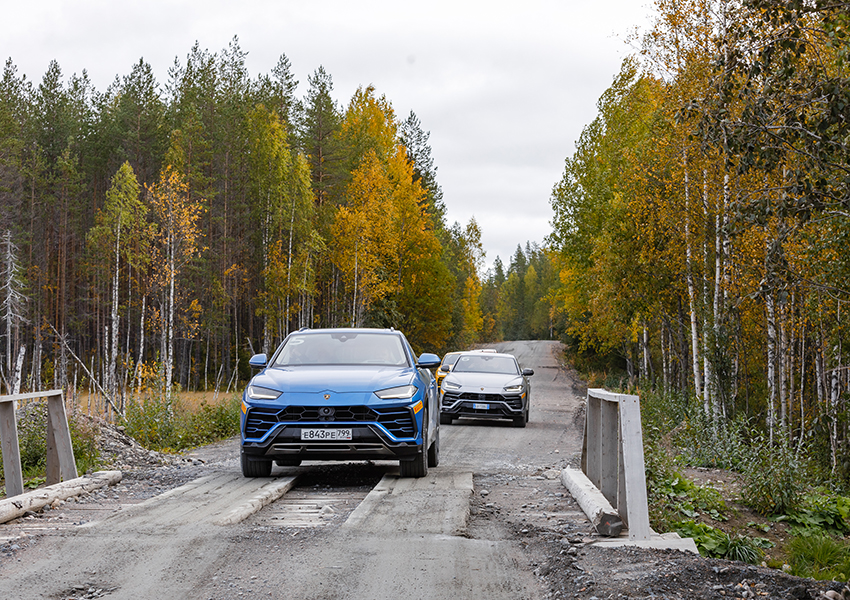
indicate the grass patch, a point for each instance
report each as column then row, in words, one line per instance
column 819, row 556
column 171, row 426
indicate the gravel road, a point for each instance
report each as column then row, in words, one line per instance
column 492, row 521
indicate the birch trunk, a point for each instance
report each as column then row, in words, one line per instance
column 835, row 392
column 354, row 302
column 695, row 358
column 112, row 377
column 783, row 373
column 771, row 361
column 169, row 359
column 289, row 268
column 802, row 390
column 140, row 359
column 19, row 366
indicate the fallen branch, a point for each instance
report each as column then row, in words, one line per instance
column 85, row 368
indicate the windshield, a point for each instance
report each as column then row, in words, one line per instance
column 482, row 363
column 449, row 360
column 342, row 348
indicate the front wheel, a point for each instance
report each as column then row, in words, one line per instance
column 446, row 419
column 255, row 467
column 418, row 467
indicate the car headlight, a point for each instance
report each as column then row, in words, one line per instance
column 395, row 393
column 451, row 385
column 514, row 388
column 256, row 392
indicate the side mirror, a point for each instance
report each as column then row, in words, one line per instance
column 446, row 368
column 527, row 372
column 258, row 361
column 428, row 361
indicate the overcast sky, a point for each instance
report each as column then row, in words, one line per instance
column 504, row 88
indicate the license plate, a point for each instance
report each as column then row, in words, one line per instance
column 478, row 406
column 325, row 434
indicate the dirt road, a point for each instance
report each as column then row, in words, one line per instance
column 492, row 521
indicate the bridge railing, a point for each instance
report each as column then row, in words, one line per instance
column 60, row 452
column 612, row 457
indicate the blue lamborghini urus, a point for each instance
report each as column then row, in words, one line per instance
column 341, row 394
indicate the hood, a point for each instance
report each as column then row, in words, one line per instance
column 338, row 379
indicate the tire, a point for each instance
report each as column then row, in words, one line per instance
column 253, row 467
column 520, row 421
column 434, row 452
column 446, row 419
column 418, row 467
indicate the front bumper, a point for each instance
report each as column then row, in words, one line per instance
column 492, row 406
column 376, row 433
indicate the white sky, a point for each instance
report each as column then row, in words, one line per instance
column 504, row 88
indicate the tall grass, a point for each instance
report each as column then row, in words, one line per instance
column 819, row 557
column 170, row 426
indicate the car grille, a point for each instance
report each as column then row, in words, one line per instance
column 398, row 421
column 514, row 402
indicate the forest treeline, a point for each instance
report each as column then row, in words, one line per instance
column 154, row 237
column 702, row 226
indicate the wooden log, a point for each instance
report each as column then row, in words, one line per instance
column 599, row 511
column 12, row 508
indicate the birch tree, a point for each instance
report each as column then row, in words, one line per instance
column 120, row 241
column 178, row 242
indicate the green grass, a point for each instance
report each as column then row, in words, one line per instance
column 158, row 424
column 819, row 556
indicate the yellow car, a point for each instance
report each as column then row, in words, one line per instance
column 449, row 361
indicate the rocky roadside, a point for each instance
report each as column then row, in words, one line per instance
column 541, row 516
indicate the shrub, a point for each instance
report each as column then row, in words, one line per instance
column 744, row 549
column 32, row 438
column 704, row 442
column 710, row 541
column 714, row 543
column 210, row 423
column 84, row 435
column 150, row 422
column 773, row 482
column 168, row 426
column 819, row 514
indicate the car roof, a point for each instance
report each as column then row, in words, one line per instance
column 489, row 354
column 347, row 329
